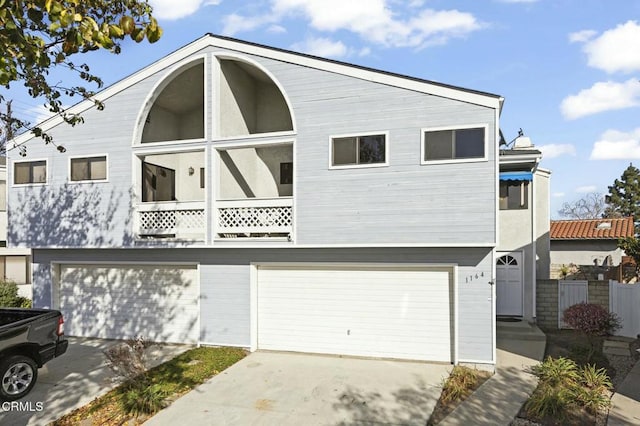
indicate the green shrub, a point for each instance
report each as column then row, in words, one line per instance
column 9, row 296
column 140, row 397
column 563, row 389
column 593, row 390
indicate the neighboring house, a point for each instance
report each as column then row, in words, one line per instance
column 236, row 194
column 523, row 247
column 15, row 263
column 587, row 243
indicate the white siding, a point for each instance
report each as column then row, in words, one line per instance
column 157, row 302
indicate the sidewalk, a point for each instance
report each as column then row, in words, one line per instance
column 498, row 400
column 625, row 404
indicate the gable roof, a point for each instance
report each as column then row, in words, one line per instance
column 209, row 40
column 592, row 229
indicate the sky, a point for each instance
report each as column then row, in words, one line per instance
column 569, row 70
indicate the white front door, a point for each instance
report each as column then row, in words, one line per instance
column 509, row 284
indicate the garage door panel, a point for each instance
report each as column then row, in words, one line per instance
column 158, row 302
column 362, row 311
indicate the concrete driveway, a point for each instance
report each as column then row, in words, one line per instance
column 268, row 388
column 71, row 381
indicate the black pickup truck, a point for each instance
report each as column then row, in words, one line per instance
column 28, row 339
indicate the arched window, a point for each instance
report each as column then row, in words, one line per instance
column 177, row 112
column 507, row 260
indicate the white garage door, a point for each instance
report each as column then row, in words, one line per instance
column 157, row 302
column 368, row 311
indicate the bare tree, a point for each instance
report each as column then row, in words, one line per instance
column 591, row 206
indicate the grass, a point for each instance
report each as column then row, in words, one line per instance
column 173, row 378
column 461, row 383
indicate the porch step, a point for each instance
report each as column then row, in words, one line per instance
column 520, row 330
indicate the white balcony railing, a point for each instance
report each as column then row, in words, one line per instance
column 186, row 220
column 255, row 217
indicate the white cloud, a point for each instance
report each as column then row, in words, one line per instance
column 616, row 50
column 171, row 9
column 602, row 96
column 582, row 36
column 557, row 194
column 276, row 29
column 235, row 23
column 617, row 145
column 586, row 189
column 554, row 150
column 372, row 20
column 322, row 47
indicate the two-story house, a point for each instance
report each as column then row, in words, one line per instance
column 237, row 194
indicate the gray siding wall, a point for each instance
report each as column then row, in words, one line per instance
column 225, row 285
column 403, row 203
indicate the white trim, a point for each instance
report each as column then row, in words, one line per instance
column 456, row 315
column 253, row 306
column 254, row 139
column 170, row 74
column 477, row 361
column 487, row 100
column 244, row 143
column 120, row 263
column 453, row 287
column 90, row 156
column 359, row 165
column 31, row 160
column 424, row 130
column 223, row 344
column 265, row 243
column 177, row 149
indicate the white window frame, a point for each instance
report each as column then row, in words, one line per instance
column 33, row 160
column 364, row 165
column 424, row 130
column 75, row 157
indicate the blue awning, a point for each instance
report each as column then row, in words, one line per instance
column 516, row 176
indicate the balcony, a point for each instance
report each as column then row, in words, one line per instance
column 254, row 218
column 172, row 219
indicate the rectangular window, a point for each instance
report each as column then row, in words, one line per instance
column 88, row 168
column 514, row 194
column 359, row 150
column 453, row 144
column 30, row 172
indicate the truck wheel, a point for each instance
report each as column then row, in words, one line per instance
column 18, row 374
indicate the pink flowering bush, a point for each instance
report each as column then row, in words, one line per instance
column 591, row 319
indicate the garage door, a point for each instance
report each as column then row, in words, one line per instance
column 367, row 311
column 158, row 302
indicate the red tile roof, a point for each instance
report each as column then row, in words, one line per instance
column 590, row 229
